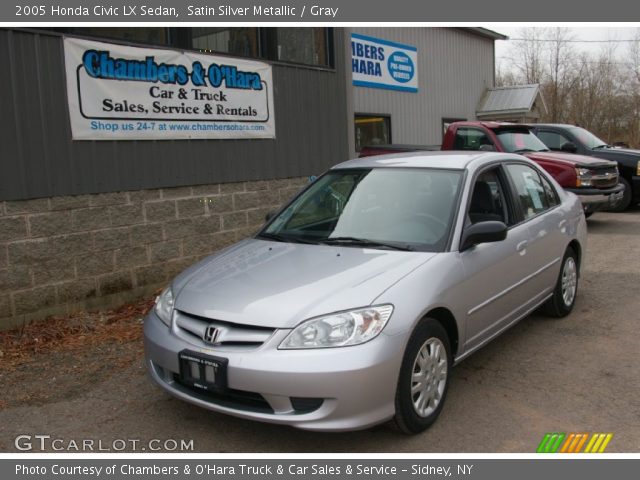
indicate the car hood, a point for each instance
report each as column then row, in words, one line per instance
column 570, row 159
column 625, row 156
column 619, row 151
column 277, row 285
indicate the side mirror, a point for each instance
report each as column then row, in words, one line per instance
column 482, row 232
column 269, row 215
column 569, row 147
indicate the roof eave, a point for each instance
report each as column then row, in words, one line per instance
column 485, row 32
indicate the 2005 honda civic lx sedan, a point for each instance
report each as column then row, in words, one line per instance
column 352, row 304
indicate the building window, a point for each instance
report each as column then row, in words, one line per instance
column 372, row 130
column 308, row 46
column 235, row 41
column 299, row 45
column 154, row 36
column 448, row 121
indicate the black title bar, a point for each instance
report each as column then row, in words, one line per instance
column 303, row 469
column 324, row 11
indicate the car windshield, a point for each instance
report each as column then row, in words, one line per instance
column 520, row 141
column 386, row 208
column 587, row 138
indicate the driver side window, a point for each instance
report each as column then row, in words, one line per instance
column 488, row 199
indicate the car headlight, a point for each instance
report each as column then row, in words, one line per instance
column 583, row 177
column 164, row 306
column 339, row 329
column 638, row 168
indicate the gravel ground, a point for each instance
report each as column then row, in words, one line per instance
column 578, row 374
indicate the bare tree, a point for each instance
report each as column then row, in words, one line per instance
column 600, row 92
column 595, row 99
column 528, row 54
column 505, row 76
column 560, row 57
column 633, row 86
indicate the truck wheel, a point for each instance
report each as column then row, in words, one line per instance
column 566, row 289
column 424, row 377
column 624, row 203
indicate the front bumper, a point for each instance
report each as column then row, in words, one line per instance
column 594, row 199
column 357, row 384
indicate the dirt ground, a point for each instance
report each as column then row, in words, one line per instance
column 83, row 378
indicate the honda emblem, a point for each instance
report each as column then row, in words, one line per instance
column 210, row 334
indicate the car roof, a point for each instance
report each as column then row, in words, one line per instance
column 561, row 125
column 490, row 124
column 453, row 160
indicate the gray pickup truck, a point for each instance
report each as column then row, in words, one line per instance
column 572, row 139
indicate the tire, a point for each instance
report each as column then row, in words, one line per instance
column 566, row 289
column 624, row 203
column 429, row 342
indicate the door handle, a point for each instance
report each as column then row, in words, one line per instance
column 522, row 246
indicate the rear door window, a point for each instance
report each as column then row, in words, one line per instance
column 552, row 194
column 529, row 189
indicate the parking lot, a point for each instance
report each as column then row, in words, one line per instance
column 577, row 374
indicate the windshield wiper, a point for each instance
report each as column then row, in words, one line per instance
column 604, row 145
column 363, row 242
column 285, row 238
column 524, row 150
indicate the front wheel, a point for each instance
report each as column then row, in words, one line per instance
column 564, row 293
column 424, row 377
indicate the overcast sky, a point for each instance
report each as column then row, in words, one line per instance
column 597, row 38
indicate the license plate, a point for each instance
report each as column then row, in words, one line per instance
column 204, row 372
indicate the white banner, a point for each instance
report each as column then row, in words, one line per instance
column 117, row 92
column 379, row 63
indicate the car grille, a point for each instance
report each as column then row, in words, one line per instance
column 235, row 336
column 236, row 399
column 247, row 401
column 606, row 177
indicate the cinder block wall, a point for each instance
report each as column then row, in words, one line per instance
column 63, row 254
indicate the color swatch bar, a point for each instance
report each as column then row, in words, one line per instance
column 556, row 442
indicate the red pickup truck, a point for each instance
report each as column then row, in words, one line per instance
column 594, row 180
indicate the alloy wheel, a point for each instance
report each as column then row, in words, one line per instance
column 569, row 281
column 429, row 377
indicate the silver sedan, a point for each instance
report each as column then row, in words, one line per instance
column 352, row 304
